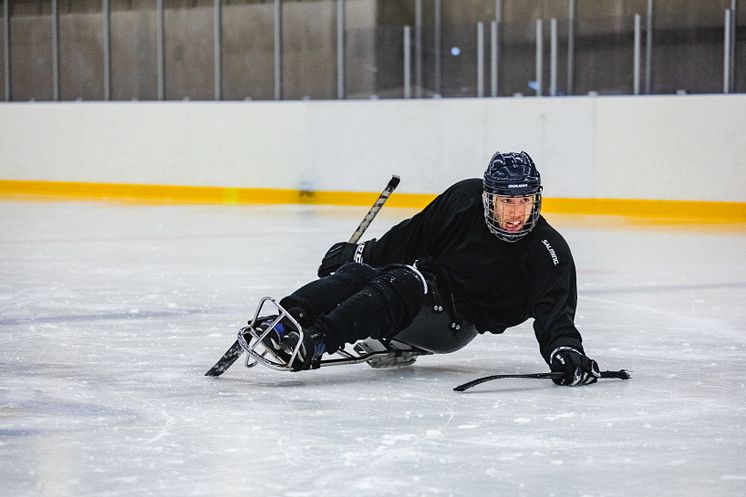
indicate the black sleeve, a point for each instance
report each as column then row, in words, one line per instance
column 424, row 234
column 553, row 293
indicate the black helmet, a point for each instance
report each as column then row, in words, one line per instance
column 511, row 175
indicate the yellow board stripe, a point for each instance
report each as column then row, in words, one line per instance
column 200, row 194
column 691, row 210
column 667, row 209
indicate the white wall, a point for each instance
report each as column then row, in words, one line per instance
column 662, row 147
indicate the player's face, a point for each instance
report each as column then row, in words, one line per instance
column 512, row 213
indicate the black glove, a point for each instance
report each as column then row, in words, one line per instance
column 579, row 369
column 341, row 253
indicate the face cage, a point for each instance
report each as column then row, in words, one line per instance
column 493, row 223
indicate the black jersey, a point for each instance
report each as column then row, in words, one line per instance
column 495, row 284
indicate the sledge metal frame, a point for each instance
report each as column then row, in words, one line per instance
column 251, row 339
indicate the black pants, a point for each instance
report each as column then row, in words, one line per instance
column 359, row 301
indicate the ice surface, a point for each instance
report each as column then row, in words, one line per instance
column 110, row 314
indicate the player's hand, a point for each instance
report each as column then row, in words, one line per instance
column 340, row 253
column 579, row 369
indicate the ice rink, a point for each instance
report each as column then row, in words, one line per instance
column 110, row 314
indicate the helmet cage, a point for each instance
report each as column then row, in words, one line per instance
column 493, row 214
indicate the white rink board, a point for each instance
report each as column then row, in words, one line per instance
column 658, row 147
column 111, row 314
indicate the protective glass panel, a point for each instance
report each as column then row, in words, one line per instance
column 188, row 49
column 248, row 50
column 31, row 50
column 518, row 58
column 81, row 50
column 604, row 46
column 309, row 49
column 688, row 47
column 374, row 47
column 133, row 31
column 459, row 78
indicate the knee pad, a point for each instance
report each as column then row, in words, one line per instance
column 405, row 276
column 402, row 283
column 357, row 273
column 425, row 288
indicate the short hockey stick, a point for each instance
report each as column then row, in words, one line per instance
column 235, row 351
column 622, row 374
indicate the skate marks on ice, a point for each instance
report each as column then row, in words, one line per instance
column 96, row 400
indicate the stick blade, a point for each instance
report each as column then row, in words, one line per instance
column 230, row 356
column 463, row 387
column 622, row 374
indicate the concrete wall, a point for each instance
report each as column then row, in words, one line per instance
column 667, row 147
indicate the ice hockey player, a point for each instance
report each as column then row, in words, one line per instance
column 478, row 259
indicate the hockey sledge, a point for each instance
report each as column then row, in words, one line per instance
column 383, row 353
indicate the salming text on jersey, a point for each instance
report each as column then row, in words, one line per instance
column 552, row 253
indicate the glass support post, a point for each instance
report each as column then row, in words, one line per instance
column 480, row 59
column 55, row 18
column 418, row 48
column 553, row 57
column 407, row 62
column 160, row 56
column 570, row 47
column 726, row 51
column 106, row 45
column 495, row 48
column 733, row 31
column 217, row 61
column 636, row 56
column 6, row 48
column 278, row 49
column 340, row 49
column 494, row 58
column 649, row 48
column 539, row 56
column 437, row 53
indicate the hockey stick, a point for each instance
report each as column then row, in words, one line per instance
column 235, row 351
column 622, row 374
column 373, row 212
